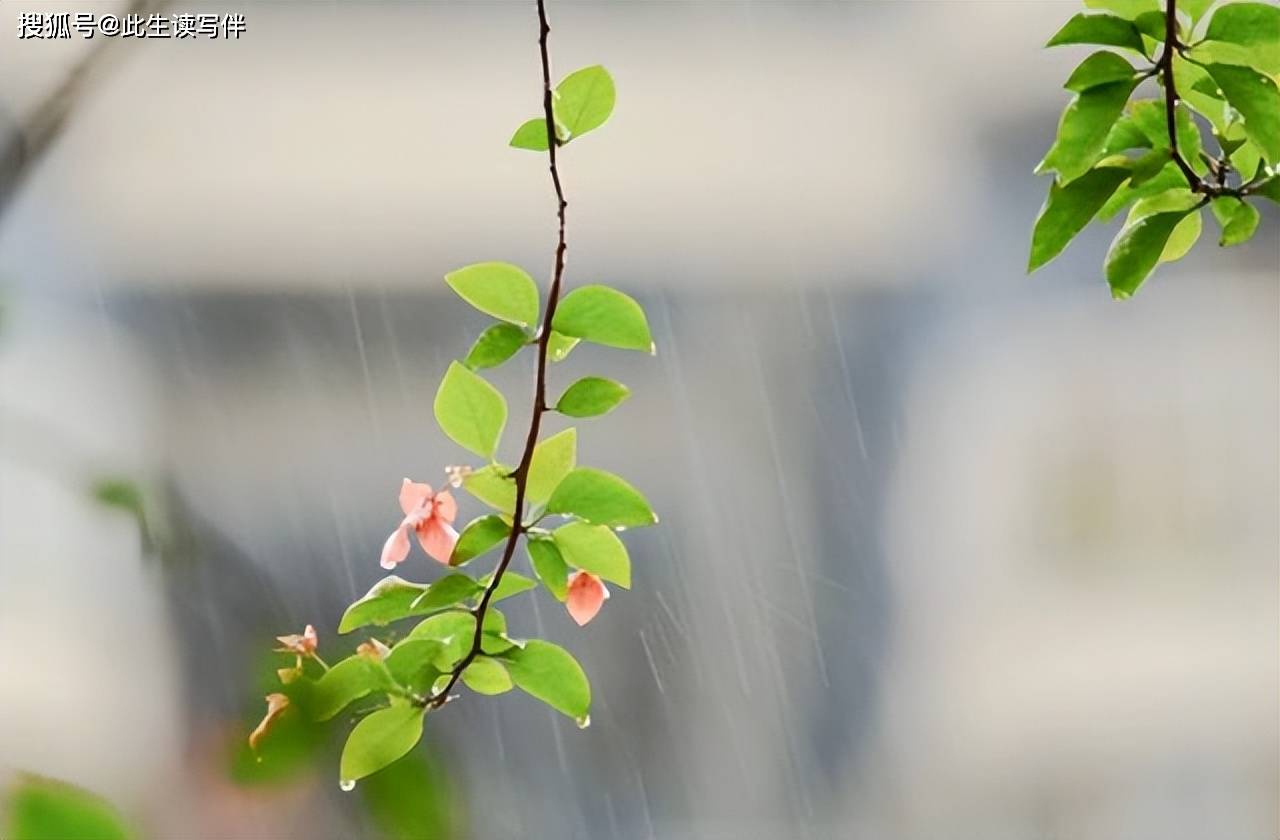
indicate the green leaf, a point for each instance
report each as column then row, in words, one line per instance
column 1151, row 24
column 1149, row 115
column 1252, row 25
column 1069, row 208
column 1238, row 219
column 584, row 100
column 592, row 396
column 393, row 598
column 549, row 566
column 45, row 809
column 1127, row 9
column 344, row 683
column 1124, row 135
column 532, row 135
column 1084, row 128
column 1106, row 30
column 455, row 630
column 416, row 662
column 479, row 536
column 499, row 289
column 1149, row 166
column 1256, row 98
column 1101, row 68
column 491, row 484
column 487, row 676
column 1195, row 8
column 470, row 411
column 512, row 583
column 559, row 346
column 1200, row 93
column 495, row 345
column 601, row 498
column 1168, row 178
column 1269, row 188
column 551, row 674
column 552, row 460
column 380, row 739
column 1137, row 249
column 595, row 549
column 605, row 316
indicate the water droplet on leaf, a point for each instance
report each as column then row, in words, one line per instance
column 347, row 784
column 584, row 721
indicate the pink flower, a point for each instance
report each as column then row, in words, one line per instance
column 276, row 704
column 304, row 645
column 585, row 597
column 429, row 515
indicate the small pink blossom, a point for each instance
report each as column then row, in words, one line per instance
column 586, row 595
column 430, row 516
column 276, row 704
column 304, row 645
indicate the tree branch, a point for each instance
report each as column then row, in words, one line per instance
column 1165, row 69
column 521, row 473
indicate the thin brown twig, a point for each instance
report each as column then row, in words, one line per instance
column 1165, row 68
column 521, row 473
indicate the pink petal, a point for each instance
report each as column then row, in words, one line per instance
column 396, row 548
column 437, row 539
column 585, row 597
column 413, row 496
column 445, row 506
column 309, row 639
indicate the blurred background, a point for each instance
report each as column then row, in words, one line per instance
column 946, row 550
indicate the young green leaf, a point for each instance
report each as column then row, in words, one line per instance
column 595, row 549
column 549, row 566
column 446, row 592
column 1069, row 208
column 552, row 460
column 532, row 135
column 453, row 629
column 487, row 676
column 480, row 535
column 470, row 411
column 551, row 674
column 584, row 101
column 1184, row 236
column 493, row 485
column 559, row 346
column 388, row 600
column 601, row 498
column 380, row 739
column 344, row 683
column 416, row 662
column 1169, row 177
column 1127, row 9
column 1149, row 115
column 1083, row 130
column 499, row 289
column 511, row 584
column 495, row 345
column 1255, row 26
column 1238, row 219
column 1124, row 135
column 605, row 316
column 1105, row 30
column 591, row 397
column 1149, row 166
column 46, row 809
column 1270, row 188
column 1257, row 99
column 1101, row 68
column 1137, row 249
